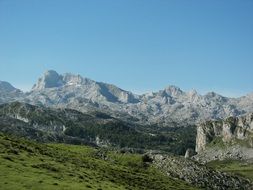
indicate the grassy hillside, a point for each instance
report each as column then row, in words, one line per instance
column 29, row 165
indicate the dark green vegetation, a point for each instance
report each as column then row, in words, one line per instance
column 171, row 139
column 174, row 140
column 73, row 127
column 25, row 164
column 241, row 168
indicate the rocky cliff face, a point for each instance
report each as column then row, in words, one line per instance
column 232, row 128
column 231, row 138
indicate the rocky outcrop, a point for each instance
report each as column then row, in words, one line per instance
column 189, row 153
column 231, row 152
column 232, row 128
column 231, row 138
column 197, row 174
column 50, row 79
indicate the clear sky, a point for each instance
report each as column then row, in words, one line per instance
column 138, row 45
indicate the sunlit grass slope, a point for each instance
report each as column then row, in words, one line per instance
column 26, row 164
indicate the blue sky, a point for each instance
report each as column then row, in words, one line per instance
column 139, row 45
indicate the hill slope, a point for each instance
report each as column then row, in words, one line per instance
column 29, row 165
column 93, row 128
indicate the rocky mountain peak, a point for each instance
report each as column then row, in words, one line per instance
column 76, row 80
column 71, row 79
column 8, row 93
column 173, row 90
column 6, row 87
column 194, row 96
column 212, row 95
column 50, row 79
column 193, row 92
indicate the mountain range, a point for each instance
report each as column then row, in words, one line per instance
column 68, row 126
column 164, row 108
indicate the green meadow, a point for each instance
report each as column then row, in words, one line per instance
column 26, row 164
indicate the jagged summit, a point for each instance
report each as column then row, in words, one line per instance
column 173, row 90
column 50, row 79
column 71, row 79
column 81, row 89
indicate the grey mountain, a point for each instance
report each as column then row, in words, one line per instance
column 8, row 92
column 164, row 107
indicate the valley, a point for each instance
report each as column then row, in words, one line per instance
column 126, row 95
column 71, row 132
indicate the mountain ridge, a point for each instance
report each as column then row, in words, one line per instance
column 164, row 107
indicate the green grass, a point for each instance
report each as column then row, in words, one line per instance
column 29, row 165
column 217, row 142
column 241, row 168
